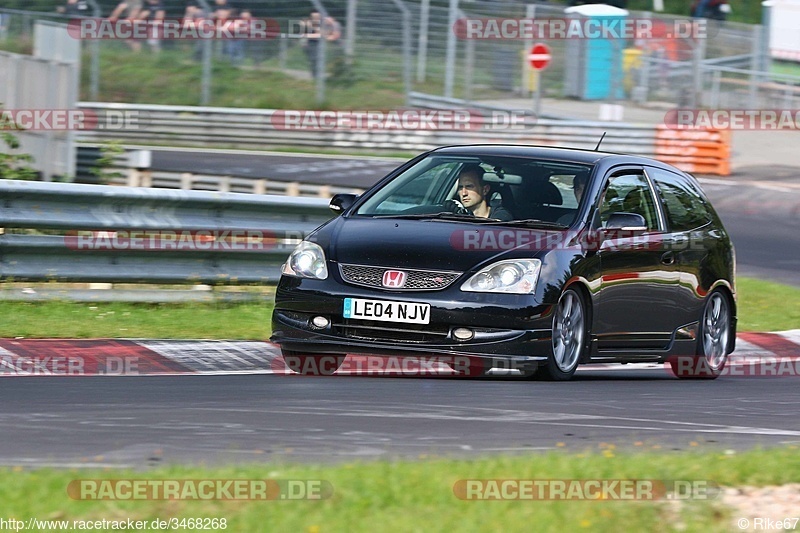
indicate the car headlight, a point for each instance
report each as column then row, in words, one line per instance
column 306, row 261
column 515, row 276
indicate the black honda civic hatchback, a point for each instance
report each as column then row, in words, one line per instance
column 533, row 258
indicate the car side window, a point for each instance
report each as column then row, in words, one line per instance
column 684, row 205
column 628, row 193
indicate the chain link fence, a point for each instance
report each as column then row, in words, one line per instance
column 399, row 46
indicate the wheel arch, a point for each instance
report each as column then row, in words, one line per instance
column 582, row 286
column 726, row 288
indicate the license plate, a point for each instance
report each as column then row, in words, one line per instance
column 410, row 313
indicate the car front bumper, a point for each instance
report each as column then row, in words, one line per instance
column 505, row 327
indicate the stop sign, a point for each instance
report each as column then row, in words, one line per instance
column 539, row 56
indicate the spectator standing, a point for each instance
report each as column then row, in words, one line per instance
column 710, row 9
column 129, row 10
column 225, row 13
column 75, row 8
column 152, row 11
column 315, row 29
column 193, row 15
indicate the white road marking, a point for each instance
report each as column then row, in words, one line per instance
column 770, row 187
column 711, row 181
column 158, row 148
column 521, row 417
column 37, row 463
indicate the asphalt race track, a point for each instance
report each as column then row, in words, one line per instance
column 127, row 421
column 135, row 421
column 241, row 416
column 761, row 210
column 356, row 171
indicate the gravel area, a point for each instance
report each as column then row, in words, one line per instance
column 777, row 507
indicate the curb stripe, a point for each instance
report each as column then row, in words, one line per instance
column 25, row 357
column 774, row 343
column 82, row 357
column 792, row 335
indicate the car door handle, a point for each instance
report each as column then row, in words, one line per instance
column 668, row 258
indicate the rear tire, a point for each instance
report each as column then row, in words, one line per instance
column 713, row 340
column 569, row 337
column 312, row 364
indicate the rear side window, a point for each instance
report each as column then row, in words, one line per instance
column 629, row 192
column 685, row 207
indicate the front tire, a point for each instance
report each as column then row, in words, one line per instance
column 713, row 340
column 312, row 364
column 569, row 337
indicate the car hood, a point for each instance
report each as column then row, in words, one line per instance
column 423, row 244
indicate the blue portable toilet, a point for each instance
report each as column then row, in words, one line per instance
column 593, row 66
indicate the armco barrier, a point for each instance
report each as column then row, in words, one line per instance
column 253, row 128
column 231, row 238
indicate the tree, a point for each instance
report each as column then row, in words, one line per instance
column 13, row 166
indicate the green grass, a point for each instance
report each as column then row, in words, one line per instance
column 174, row 77
column 763, row 306
column 788, row 68
column 767, row 306
column 418, row 495
column 124, row 320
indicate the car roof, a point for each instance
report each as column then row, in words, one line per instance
column 574, row 155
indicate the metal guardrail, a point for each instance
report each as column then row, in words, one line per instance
column 620, row 137
column 220, row 127
column 239, row 128
column 253, row 128
column 228, row 238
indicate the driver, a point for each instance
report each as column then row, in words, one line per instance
column 472, row 193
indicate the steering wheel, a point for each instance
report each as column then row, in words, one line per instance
column 456, row 207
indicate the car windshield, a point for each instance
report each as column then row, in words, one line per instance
column 483, row 189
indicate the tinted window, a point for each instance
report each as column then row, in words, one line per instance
column 526, row 188
column 629, row 193
column 684, row 206
column 423, row 185
column 571, row 189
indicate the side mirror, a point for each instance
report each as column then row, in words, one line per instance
column 627, row 222
column 342, row 202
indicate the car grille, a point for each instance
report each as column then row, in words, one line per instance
column 416, row 280
column 376, row 331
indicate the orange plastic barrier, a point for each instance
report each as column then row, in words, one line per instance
column 699, row 151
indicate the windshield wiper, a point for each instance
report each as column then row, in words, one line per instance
column 532, row 222
column 443, row 215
